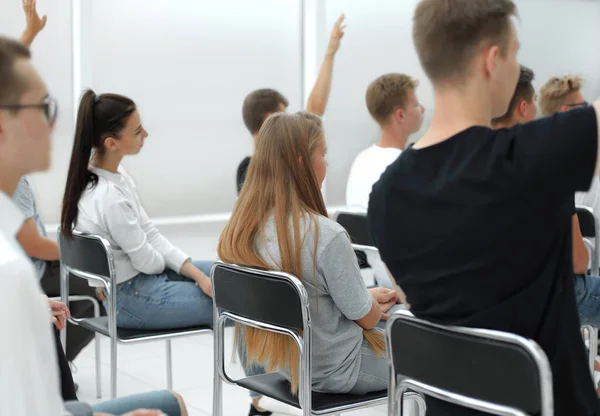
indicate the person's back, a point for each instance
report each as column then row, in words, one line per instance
column 474, row 224
column 392, row 102
column 365, row 171
column 336, row 295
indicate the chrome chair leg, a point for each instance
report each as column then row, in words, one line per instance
column 169, row 366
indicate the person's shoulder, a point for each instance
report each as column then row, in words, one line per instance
column 13, row 263
column 23, row 189
column 244, row 163
column 328, row 229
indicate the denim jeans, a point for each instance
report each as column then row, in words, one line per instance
column 587, row 296
column 162, row 400
column 163, row 301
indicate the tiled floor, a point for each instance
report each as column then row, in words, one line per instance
column 142, row 367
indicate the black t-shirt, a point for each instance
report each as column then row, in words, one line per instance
column 241, row 173
column 477, row 232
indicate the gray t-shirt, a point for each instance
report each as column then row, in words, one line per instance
column 25, row 200
column 342, row 298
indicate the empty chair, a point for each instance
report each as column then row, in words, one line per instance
column 246, row 296
column 355, row 223
column 90, row 257
column 490, row 371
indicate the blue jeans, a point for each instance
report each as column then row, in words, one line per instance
column 163, row 301
column 155, row 400
column 587, row 296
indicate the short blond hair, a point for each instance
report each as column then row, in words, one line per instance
column 388, row 93
column 554, row 92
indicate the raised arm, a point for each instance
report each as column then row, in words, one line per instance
column 317, row 101
column 35, row 24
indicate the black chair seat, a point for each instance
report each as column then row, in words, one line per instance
column 276, row 386
column 101, row 325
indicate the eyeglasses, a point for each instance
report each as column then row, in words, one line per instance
column 49, row 107
column 581, row 104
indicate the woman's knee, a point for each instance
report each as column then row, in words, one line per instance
column 181, row 402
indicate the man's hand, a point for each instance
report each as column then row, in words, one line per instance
column 60, row 313
column 336, row 36
column 35, row 24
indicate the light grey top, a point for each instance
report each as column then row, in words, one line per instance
column 25, row 201
column 342, row 298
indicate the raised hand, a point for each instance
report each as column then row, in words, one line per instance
column 337, row 33
column 35, row 24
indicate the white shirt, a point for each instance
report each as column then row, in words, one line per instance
column 112, row 209
column 29, row 382
column 366, row 171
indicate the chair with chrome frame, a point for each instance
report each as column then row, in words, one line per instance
column 355, row 224
column 90, row 257
column 589, row 226
column 473, row 368
column 245, row 296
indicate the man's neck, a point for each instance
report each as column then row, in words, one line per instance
column 392, row 139
column 9, row 180
column 456, row 110
column 505, row 124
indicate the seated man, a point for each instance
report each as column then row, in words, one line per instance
column 28, row 384
column 43, row 252
column 393, row 104
column 475, row 224
column 32, row 235
column 560, row 94
column 260, row 104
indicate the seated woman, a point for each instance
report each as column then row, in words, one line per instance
column 158, row 286
column 280, row 223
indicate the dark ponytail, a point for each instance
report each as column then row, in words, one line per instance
column 98, row 117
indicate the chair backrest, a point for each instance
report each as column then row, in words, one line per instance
column 356, row 225
column 274, row 298
column 86, row 254
column 587, row 221
column 492, row 367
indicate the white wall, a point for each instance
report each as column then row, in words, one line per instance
column 189, row 63
column 52, row 55
column 557, row 36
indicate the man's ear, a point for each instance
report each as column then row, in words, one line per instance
column 523, row 108
column 398, row 115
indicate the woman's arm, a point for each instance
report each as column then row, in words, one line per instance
column 125, row 230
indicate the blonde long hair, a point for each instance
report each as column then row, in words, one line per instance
column 280, row 182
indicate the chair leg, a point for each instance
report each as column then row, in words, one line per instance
column 98, row 366
column 113, row 367
column 217, row 392
column 169, row 366
column 593, row 348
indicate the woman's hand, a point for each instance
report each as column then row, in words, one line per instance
column 386, row 298
column 203, row 281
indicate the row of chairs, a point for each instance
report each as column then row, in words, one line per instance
column 426, row 358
